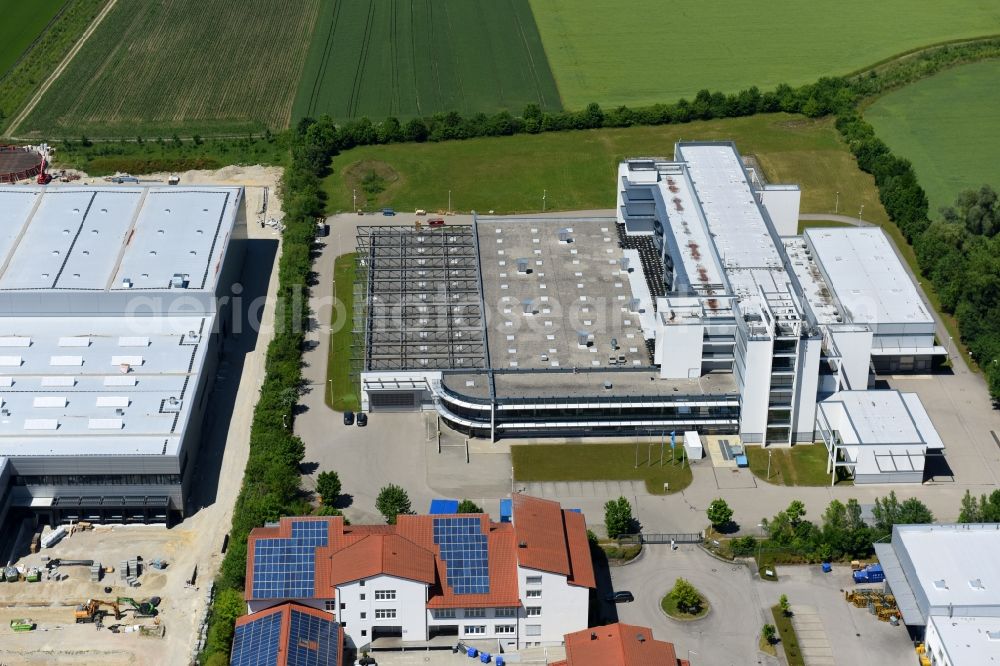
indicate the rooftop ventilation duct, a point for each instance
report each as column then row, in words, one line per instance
column 522, row 266
column 633, row 305
column 179, row 281
column 528, row 306
column 583, row 338
column 565, row 236
column 623, row 262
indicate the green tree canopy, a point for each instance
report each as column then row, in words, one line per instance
column 686, row 596
column 393, row 501
column 328, row 487
column 719, row 513
column 618, row 518
column 468, row 506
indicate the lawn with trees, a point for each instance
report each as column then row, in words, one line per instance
column 684, row 602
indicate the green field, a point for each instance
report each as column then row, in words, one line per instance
column 341, row 391
column 656, row 51
column 405, row 58
column 577, row 169
column 186, row 66
column 948, row 126
column 22, row 23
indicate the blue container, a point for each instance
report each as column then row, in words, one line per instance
column 484, row 657
column 827, row 567
column 472, row 652
column 500, row 661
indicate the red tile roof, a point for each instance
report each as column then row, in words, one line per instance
column 553, row 540
column 618, row 645
column 407, row 550
column 285, row 610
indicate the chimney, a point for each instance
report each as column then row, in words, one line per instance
column 522, row 544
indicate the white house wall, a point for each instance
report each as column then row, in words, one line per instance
column 564, row 607
column 410, row 604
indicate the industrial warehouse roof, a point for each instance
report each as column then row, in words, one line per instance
column 98, row 385
column 969, row 640
column 868, row 278
column 107, row 238
column 880, row 417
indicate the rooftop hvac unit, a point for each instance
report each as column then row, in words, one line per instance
column 623, row 262
column 528, row 306
column 583, row 338
column 127, row 283
column 565, row 236
column 633, row 305
column 172, row 405
column 179, row 281
column 614, row 344
column 522, row 266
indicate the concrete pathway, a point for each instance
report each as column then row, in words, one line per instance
column 846, row 219
column 815, row 646
column 578, row 489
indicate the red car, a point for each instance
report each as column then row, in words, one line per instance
column 436, row 222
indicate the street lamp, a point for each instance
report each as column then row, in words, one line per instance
column 545, row 193
column 449, row 202
column 354, row 200
column 860, row 212
column 836, row 206
column 769, row 452
column 330, row 382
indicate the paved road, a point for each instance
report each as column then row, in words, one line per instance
column 741, row 606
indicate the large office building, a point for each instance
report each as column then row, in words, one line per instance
column 113, row 304
column 947, row 585
column 429, row 581
column 697, row 308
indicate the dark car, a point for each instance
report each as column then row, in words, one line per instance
column 621, row 597
column 362, row 419
column 348, row 418
column 436, row 222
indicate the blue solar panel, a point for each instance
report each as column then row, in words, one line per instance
column 286, row 568
column 256, row 643
column 312, row 641
column 464, row 550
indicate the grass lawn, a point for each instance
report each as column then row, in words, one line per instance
column 948, row 126
column 800, row 465
column 408, row 58
column 669, row 607
column 811, row 224
column 577, row 169
column 602, row 53
column 599, row 462
column 789, row 642
column 341, row 391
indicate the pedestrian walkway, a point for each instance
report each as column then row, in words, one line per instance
column 573, row 489
column 813, row 643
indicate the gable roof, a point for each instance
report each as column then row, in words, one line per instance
column 374, row 555
column 553, row 540
column 289, row 634
column 618, row 645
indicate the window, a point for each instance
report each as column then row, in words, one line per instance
column 533, row 611
column 444, row 614
column 475, row 612
column 533, row 580
column 385, row 595
column 330, row 605
column 385, row 613
column 362, row 597
column 504, row 629
column 364, row 615
column 534, row 594
column 532, row 630
column 364, row 632
column 343, row 606
column 475, row 629
column 506, row 612
column 361, row 582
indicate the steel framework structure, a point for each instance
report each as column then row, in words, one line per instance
column 417, row 299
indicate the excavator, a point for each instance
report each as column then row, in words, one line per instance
column 94, row 611
column 145, row 608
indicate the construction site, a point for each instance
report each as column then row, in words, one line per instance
column 133, row 593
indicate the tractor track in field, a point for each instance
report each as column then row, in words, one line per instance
column 324, row 64
column 359, row 74
column 57, row 72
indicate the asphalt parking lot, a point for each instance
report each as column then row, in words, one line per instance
column 740, row 606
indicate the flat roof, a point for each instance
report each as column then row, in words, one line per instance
column 98, row 385
column 817, row 293
column 739, row 231
column 568, row 384
column 879, row 418
column 969, row 640
column 867, row 276
column 954, row 564
column 93, row 237
column 568, row 289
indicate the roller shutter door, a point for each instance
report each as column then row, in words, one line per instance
column 393, row 401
